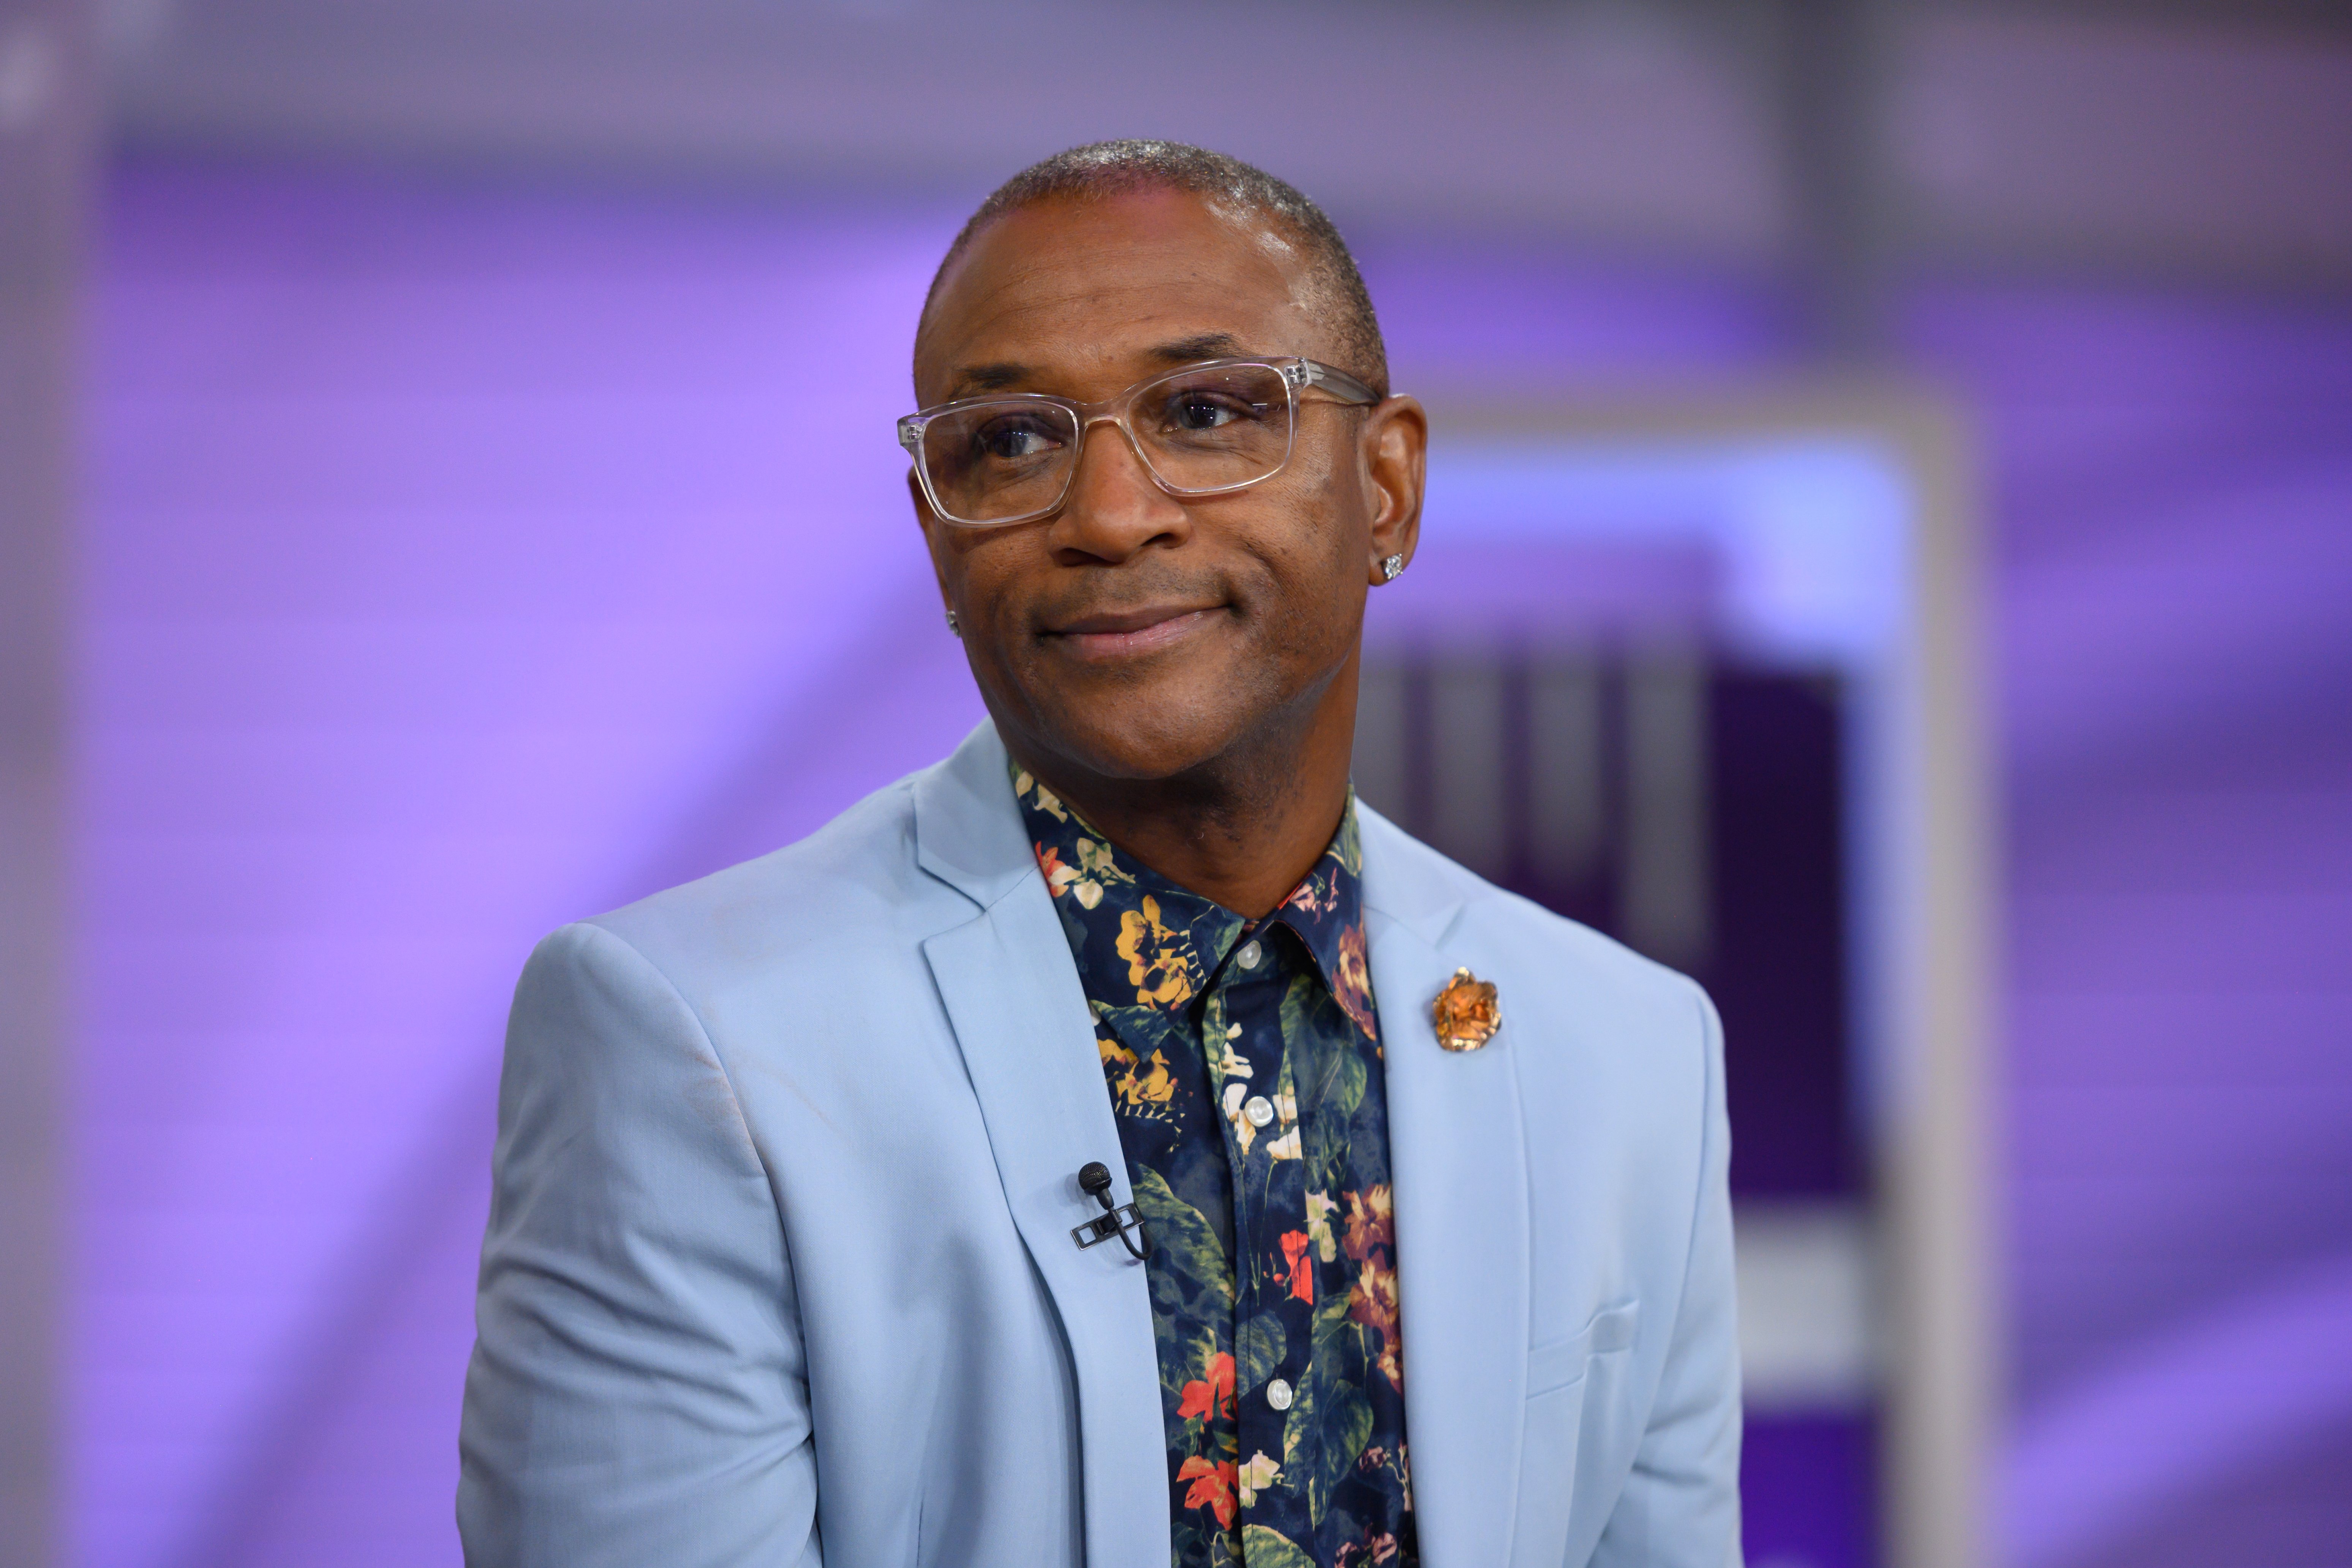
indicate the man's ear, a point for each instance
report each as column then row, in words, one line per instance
column 1396, row 461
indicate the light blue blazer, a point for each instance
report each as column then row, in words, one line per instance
column 780, row 1252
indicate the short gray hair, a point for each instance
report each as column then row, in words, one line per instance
column 1103, row 169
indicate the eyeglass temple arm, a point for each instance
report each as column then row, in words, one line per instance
column 1311, row 372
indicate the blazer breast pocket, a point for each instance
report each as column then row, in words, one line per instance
column 1565, row 1378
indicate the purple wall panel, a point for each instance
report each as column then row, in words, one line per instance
column 1807, row 1492
column 2173, row 492
column 1525, row 314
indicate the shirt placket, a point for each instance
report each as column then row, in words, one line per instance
column 1249, row 1009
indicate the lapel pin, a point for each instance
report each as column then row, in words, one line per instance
column 1465, row 1013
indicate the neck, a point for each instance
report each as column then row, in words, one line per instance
column 1242, row 829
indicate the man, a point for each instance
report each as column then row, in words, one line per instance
column 1101, row 1147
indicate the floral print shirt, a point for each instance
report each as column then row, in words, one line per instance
column 1244, row 1064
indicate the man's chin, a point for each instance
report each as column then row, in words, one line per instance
column 1150, row 719
column 1111, row 739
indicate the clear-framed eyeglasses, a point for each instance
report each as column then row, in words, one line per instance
column 1218, row 425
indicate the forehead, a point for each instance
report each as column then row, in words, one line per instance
column 1078, row 293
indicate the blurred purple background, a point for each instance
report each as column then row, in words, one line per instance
column 468, row 545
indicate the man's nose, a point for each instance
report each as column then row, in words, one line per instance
column 1114, row 509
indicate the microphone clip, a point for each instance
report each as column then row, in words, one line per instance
column 1123, row 1221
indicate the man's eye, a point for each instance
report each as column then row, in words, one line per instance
column 1209, row 411
column 1203, row 413
column 1010, row 442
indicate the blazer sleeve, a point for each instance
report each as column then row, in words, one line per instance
column 1680, row 1507
column 637, row 1393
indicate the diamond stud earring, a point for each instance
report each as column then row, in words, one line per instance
column 1391, row 568
column 954, row 630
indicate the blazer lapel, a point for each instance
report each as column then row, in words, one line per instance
column 1020, row 1016
column 1458, row 1162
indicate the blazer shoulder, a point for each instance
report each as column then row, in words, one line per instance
column 1594, row 958
column 1576, row 967
column 852, row 886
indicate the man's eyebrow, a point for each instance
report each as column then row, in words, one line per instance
column 1206, row 345
column 972, row 378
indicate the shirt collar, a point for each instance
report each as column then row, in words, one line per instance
column 1326, row 909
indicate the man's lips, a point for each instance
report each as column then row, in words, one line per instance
column 1124, row 632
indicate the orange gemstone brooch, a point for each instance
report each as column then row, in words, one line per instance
column 1465, row 1013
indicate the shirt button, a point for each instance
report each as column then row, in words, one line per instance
column 1249, row 954
column 1258, row 1109
column 1277, row 1394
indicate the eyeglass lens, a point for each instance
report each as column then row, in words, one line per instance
column 1200, row 430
